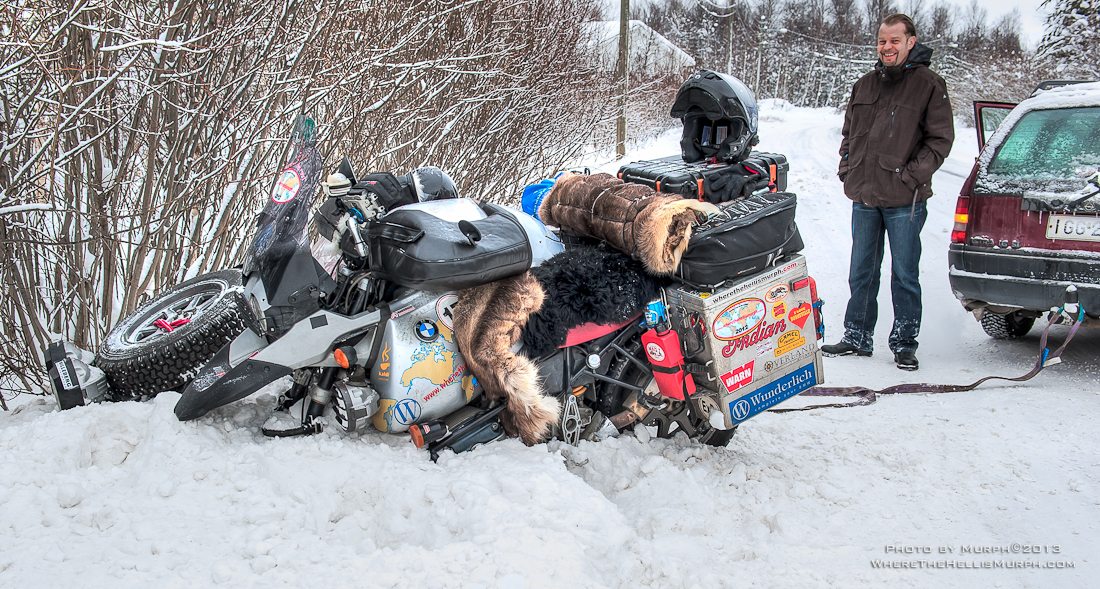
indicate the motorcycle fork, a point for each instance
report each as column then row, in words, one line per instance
column 297, row 391
column 319, row 396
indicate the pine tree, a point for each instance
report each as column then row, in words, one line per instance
column 1072, row 37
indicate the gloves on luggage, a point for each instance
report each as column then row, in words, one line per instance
column 724, row 185
column 391, row 193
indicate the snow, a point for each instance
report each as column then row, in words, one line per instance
column 124, row 494
column 650, row 52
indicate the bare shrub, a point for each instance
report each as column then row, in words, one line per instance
column 141, row 138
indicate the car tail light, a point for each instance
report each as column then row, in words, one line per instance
column 962, row 217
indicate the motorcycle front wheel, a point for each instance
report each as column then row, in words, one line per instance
column 161, row 345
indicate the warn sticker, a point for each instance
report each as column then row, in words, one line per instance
column 738, row 377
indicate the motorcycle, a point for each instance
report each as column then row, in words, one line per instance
column 365, row 346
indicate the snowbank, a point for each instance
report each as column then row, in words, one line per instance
column 124, row 494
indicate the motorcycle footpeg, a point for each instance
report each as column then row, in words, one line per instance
column 486, row 427
column 569, row 426
column 278, row 427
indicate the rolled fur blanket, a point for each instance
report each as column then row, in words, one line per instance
column 651, row 227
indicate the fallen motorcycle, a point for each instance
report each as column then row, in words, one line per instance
column 372, row 342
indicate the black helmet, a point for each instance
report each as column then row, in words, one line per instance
column 720, row 117
column 430, row 183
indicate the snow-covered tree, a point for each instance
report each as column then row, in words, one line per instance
column 1072, row 37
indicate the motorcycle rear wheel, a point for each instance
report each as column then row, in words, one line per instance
column 161, row 345
column 629, row 372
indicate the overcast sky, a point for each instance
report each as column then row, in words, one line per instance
column 1032, row 15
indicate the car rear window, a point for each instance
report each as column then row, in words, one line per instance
column 1047, row 151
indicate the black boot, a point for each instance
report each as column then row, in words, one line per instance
column 906, row 360
column 843, row 349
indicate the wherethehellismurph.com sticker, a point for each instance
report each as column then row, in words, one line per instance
column 776, row 392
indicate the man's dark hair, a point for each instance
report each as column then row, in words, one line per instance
column 893, row 19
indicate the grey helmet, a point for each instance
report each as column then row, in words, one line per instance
column 720, row 117
column 431, row 183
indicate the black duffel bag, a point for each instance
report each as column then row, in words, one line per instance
column 751, row 234
column 416, row 249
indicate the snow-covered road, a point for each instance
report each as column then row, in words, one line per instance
column 126, row 495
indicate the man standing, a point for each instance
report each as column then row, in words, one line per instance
column 897, row 131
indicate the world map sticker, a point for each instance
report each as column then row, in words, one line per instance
column 738, row 319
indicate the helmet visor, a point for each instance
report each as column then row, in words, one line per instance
column 747, row 100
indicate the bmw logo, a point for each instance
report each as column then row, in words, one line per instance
column 426, row 330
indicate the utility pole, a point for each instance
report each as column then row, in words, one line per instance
column 729, row 36
column 624, row 76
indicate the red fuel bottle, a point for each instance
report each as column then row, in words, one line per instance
column 663, row 350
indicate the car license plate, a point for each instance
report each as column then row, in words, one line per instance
column 1072, row 227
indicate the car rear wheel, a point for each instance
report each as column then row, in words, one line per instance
column 1011, row 326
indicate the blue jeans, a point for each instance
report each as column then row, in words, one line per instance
column 869, row 226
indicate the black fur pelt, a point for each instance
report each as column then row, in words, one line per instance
column 586, row 284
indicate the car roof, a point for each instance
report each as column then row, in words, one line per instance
column 1076, row 95
column 1066, row 95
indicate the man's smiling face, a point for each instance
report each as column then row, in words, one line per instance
column 894, row 44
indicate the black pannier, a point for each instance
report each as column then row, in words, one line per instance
column 672, row 175
column 416, row 249
column 751, row 234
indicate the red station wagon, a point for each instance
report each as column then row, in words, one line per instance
column 1027, row 222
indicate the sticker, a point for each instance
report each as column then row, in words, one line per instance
column 778, row 391
column 797, row 355
column 800, row 314
column 655, row 352
column 738, row 319
column 738, row 377
column 384, row 365
column 789, row 341
column 763, row 331
column 766, row 348
column 779, row 310
column 450, row 380
column 406, row 411
column 287, row 187
column 777, row 293
column 426, row 330
column 468, row 384
column 404, row 311
column 445, row 309
column 67, row 380
column 396, row 416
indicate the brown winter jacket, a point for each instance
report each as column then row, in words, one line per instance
column 897, row 131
